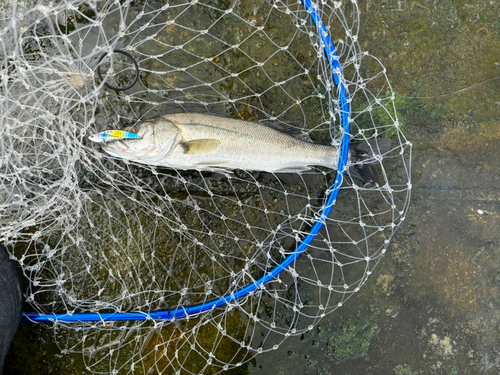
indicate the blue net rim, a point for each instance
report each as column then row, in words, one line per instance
column 191, row 311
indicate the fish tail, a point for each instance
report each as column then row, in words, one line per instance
column 364, row 155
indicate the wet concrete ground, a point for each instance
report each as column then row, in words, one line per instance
column 436, row 292
column 432, row 305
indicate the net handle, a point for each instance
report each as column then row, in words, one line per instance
column 191, row 311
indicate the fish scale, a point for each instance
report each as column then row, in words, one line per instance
column 255, row 146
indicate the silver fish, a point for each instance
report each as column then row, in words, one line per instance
column 210, row 142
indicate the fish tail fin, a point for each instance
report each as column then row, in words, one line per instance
column 364, row 155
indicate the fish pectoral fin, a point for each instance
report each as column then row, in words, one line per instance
column 201, row 146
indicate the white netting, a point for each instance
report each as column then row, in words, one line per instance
column 99, row 234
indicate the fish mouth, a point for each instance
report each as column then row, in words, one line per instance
column 122, row 146
column 116, row 146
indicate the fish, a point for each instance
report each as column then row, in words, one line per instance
column 112, row 135
column 208, row 142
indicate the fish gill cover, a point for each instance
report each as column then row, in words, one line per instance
column 103, row 236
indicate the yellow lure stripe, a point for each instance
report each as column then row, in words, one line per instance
column 117, row 133
column 120, row 134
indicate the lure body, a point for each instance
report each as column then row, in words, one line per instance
column 112, row 135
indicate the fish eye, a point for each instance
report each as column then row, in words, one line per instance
column 92, row 136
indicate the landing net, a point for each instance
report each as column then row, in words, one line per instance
column 146, row 269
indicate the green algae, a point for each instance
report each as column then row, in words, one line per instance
column 403, row 370
column 351, row 338
column 403, row 110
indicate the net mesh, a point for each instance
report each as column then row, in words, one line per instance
column 97, row 234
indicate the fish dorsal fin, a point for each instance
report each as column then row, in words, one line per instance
column 288, row 128
column 201, row 146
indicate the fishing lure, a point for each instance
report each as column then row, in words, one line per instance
column 112, row 135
